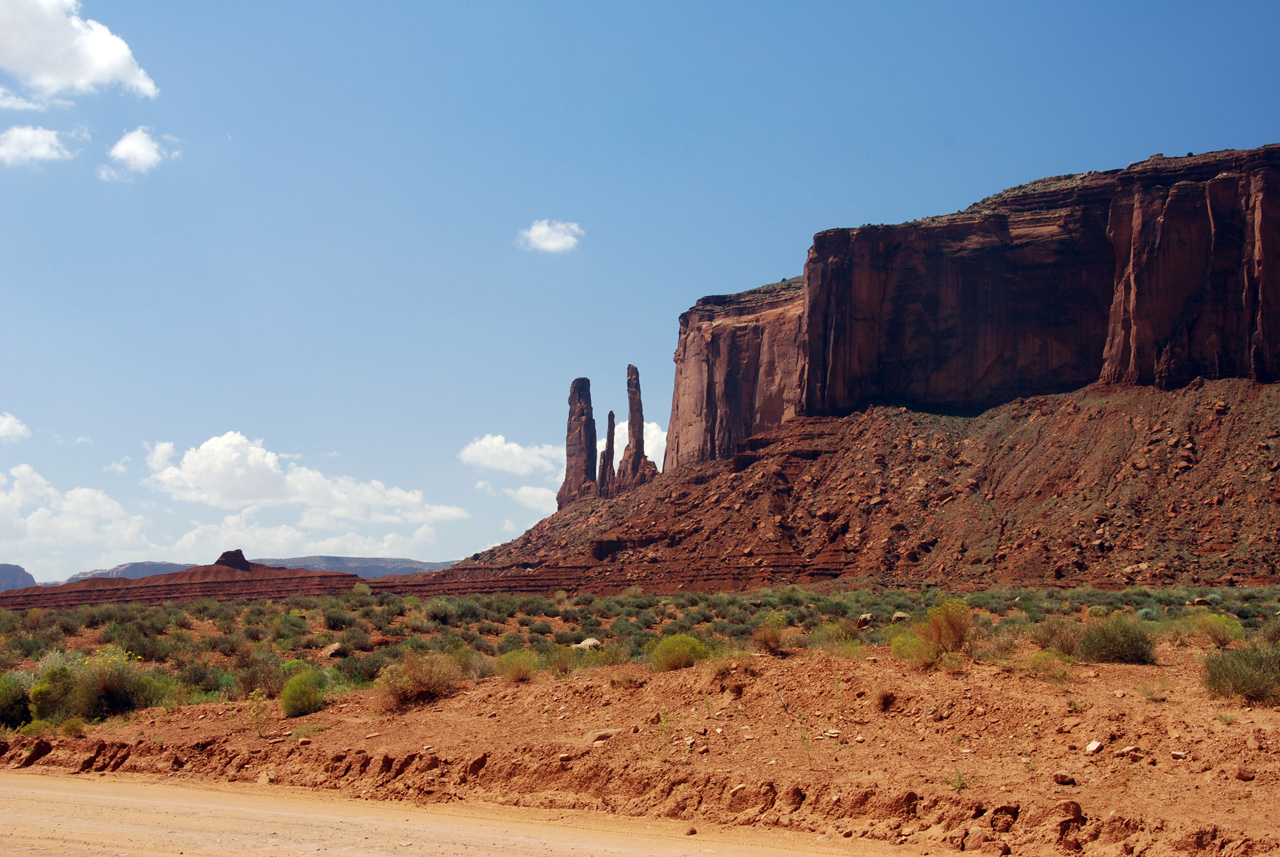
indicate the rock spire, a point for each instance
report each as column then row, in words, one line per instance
column 579, row 446
column 580, row 478
column 634, row 468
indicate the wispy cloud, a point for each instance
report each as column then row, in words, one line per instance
column 10, row 101
column 550, row 236
column 534, row 497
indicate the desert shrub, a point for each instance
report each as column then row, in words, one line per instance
column 1270, row 631
column 1118, row 639
column 1252, row 672
column 338, row 620
column 677, row 653
column 1218, row 629
column 416, row 679
column 915, row 649
column 562, row 660
column 15, row 702
column 540, row 627
column 1000, row 641
column 202, row 676
column 516, row 666
column 38, row 728
column 569, row 638
column 1058, row 633
column 73, row 727
column 362, row 669
column 949, row 624
column 510, row 642
column 767, row 635
column 1148, row 614
column 107, row 683
column 472, row 663
column 258, row 668
column 50, row 692
column 1049, row 664
column 440, row 610
column 355, row 639
column 288, row 625
column 303, row 693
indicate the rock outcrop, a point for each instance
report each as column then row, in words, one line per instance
column 579, row 446
column 1154, row 275
column 635, row 468
column 605, row 477
column 233, row 559
column 737, row 365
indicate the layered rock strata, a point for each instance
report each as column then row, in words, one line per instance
column 1155, row 274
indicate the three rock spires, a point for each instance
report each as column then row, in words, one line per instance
column 580, row 475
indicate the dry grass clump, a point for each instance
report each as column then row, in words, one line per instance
column 516, row 666
column 416, row 679
column 1252, row 672
column 948, row 625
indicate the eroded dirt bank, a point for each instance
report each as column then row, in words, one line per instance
column 854, row 749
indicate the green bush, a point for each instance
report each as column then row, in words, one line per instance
column 107, row 683
column 1252, row 672
column 303, row 693
column 1220, row 630
column 1058, row 633
column 515, row 666
column 418, row 678
column 50, row 692
column 677, row 653
column 767, row 635
column 1119, row 639
column 15, row 702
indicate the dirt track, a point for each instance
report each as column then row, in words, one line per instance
column 128, row 815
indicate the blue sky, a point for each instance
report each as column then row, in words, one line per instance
column 272, row 275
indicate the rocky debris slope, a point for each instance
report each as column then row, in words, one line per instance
column 1155, row 274
column 984, row 759
column 240, row 579
column 1110, row 486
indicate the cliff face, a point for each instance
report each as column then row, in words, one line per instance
column 737, row 362
column 1154, row 275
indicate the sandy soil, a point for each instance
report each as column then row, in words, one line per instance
column 1110, row 760
column 124, row 814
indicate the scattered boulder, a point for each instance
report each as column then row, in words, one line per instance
column 864, row 620
column 589, row 643
column 1062, row 778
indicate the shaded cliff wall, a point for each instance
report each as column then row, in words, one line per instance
column 1154, row 274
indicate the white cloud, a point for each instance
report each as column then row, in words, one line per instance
column 52, row 49
column 233, row 472
column 10, row 101
column 35, row 516
column 83, row 439
column 12, row 429
column 509, row 526
column 495, row 452
column 536, row 498
column 485, row 486
column 23, row 145
column 550, row 236
column 137, row 152
column 655, row 442
column 117, row 467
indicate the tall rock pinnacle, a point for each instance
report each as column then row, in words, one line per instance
column 634, row 468
column 579, row 446
column 605, row 478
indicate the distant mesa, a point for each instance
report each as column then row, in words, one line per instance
column 15, row 577
column 132, row 570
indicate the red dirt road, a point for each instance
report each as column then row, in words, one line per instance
column 130, row 815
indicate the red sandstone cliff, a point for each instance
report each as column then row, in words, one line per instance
column 1155, row 274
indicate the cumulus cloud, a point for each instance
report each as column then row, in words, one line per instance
column 550, row 236
column 135, row 152
column 243, row 529
column 233, row 472
column 12, row 429
column 47, row 45
column 36, row 516
column 495, row 452
column 539, row 499
column 24, row 145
